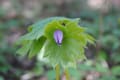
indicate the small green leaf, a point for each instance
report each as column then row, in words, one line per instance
column 25, row 48
column 36, row 47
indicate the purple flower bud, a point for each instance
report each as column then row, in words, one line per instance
column 58, row 37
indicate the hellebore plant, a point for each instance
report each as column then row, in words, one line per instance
column 58, row 41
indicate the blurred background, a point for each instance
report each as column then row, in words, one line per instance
column 100, row 17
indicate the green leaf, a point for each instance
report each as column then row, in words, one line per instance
column 65, row 54
column 36, row 47
column 25, row 48
column 38, row 28
column 90, row 39
column 42, row 41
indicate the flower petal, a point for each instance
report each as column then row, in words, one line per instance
column 58, row 37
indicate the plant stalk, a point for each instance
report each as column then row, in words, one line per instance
column 57, row 68
column 67, row 74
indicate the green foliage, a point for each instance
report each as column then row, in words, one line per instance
column 116, row 57
column 108, row 77
column 102, row 55
column 51, row 75
column 37, row 29
column 2, row 12
column 38, row 69
column 107, row 51
column 4, row 64
column 40, row 41
column 75, row 74
column 116, row 70
column 1, row 78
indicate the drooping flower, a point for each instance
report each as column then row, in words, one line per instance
column 58, row 37
column 56, row 43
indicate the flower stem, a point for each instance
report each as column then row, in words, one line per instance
column 67, row 74
column 57, row 72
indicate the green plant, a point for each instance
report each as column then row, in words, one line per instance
column 59, row 41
